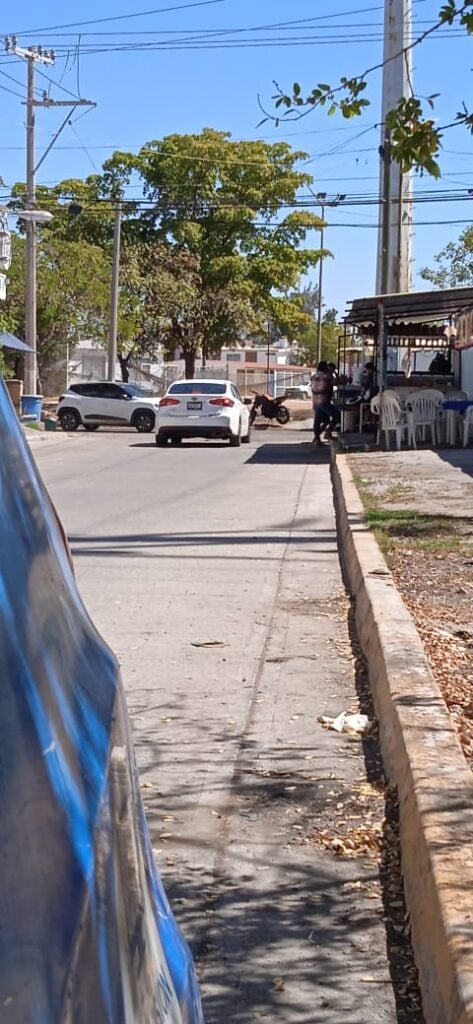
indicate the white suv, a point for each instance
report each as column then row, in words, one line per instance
column 107, row 404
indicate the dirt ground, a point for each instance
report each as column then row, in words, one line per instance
column 420, row 505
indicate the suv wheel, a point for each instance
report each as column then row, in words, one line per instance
column 69, row 419
column 143, row 421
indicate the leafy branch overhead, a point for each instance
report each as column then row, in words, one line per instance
column 416, row 139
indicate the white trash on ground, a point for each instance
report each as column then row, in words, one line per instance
column 346, row 722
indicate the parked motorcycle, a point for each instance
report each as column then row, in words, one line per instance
column 270, row 408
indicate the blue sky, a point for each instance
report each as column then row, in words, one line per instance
column 148, row 93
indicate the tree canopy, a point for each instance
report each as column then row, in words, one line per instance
column 227, row 207
column 212, row 248
column 416, row 138
column 454, row 264
column 72, row 294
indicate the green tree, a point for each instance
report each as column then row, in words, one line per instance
column 454, row 263
column 222, row 206
column 72, row 294
column 83, row 222
column 307, row 340
column 416, row 138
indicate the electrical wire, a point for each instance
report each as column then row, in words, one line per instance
column 57, row 85
column 117, row 17
column 20, row 95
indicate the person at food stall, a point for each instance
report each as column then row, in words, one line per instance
column 440, row 365
column 325, row 413
column 332, row 369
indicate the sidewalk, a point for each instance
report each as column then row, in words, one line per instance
column 53, row 438
column 418, row 507
column 431, row 482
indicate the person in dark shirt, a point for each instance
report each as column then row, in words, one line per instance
column 325, row 412
column 440, row 365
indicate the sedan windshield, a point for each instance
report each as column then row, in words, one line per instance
column 197, row 388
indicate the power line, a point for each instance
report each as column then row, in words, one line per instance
column 20, row 95
column 228, row 44
column 15, row 80
column 56, row 84
column 138, row 14
column 117, row 17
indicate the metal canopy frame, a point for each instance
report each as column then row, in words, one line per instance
column 391, row 319
column 410, row 308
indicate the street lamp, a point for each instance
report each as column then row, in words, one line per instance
column 35, row 216
column 322, row 200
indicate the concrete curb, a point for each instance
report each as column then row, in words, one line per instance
column 35, row 437
column 424, row 760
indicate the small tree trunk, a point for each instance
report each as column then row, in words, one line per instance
column 189, row 363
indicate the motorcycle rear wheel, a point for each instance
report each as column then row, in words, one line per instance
column 283, row 415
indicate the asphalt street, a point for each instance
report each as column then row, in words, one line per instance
column 213, row 574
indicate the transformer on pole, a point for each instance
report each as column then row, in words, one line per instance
column 394, row 264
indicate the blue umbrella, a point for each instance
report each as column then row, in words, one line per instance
column 9, row 341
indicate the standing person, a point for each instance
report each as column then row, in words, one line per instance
column 324, row 409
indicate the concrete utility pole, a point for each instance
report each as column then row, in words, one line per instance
column 30, row 281
column 394, row 265
column 112, row 337
column 321, row 274
column 34, row 55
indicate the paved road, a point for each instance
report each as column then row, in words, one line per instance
column 236, row 548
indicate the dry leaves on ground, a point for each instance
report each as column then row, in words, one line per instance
column 439, row 594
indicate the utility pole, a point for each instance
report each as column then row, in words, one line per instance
column 385, row 253
column 30, row 281
column 394, row 264
column 321, row 275
column 34, row 55
column 112, row 337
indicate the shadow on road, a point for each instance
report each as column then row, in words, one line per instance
column 283, row 933
column 289, row 453
column 194, row 545
column 458, row 458
column 186, row 444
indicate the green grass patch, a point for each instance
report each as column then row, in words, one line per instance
column 401, row 528
column 435, row 534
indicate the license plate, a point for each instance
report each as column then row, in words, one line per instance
column 194, row 406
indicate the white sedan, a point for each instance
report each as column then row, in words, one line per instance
column 203, row 408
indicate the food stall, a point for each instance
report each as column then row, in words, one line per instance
column 412, row 341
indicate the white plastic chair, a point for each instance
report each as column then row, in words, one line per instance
column 424, row 409
column 387, row 406
column 467, row 425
